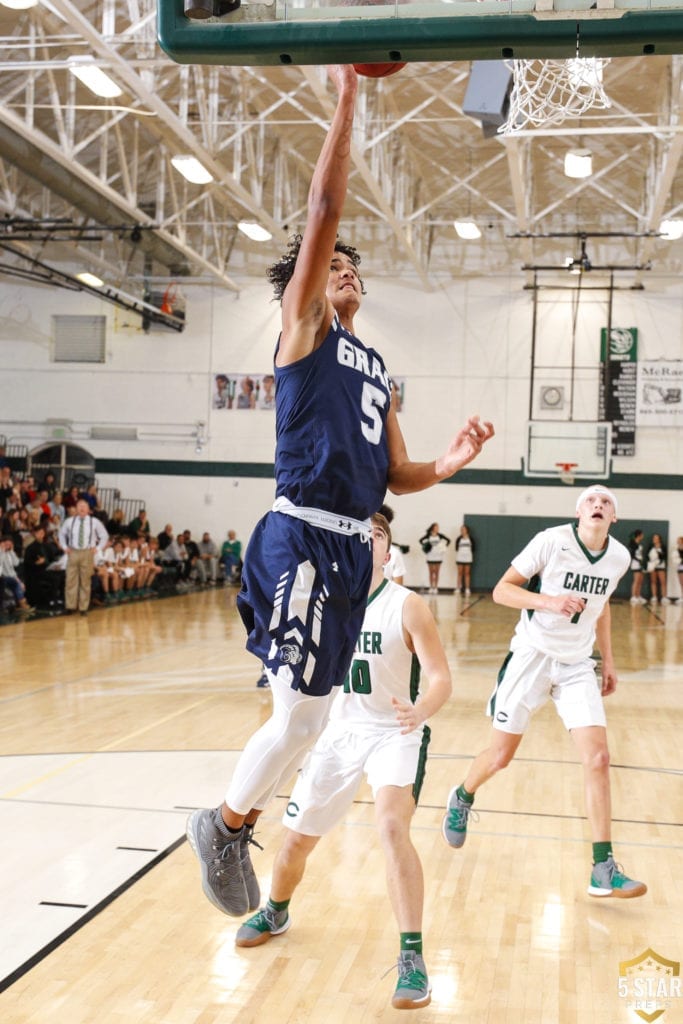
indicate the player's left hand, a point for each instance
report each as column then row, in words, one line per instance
column 408, row 715
column 609, row 681
column 465, row 446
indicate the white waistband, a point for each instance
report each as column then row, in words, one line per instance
column 325, row 520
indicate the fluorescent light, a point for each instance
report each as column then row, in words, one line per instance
column 190, row 168
column 90, row 279
column 671, row 230
column 94, row 78
column 254, row 231
column 19, row 5
column 467, row 229
column 578, row 163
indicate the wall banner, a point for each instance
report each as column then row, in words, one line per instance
column 660, row 393
column 618, row 383
column 257, row 391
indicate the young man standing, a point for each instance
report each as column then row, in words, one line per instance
column 550, row 656
column 308, row 564
column 375, row 728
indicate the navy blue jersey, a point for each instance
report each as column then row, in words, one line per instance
column 332, row 408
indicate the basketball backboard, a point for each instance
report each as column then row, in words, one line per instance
column 583, row 446
column 276, row 32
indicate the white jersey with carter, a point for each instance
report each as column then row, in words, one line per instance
column 566, row 566
column 383, row 666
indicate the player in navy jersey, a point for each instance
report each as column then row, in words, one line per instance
column 308, row 563
column 578, row 567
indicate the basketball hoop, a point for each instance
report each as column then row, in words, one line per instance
column 547, row 92
column 566, row 471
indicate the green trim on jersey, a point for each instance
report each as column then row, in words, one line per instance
column 414, row 679
column 491, row 710
column 377, row 592
column 534, row 587
column 421, row 763
column 591, row 558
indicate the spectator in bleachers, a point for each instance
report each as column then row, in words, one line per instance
column 9, row 579
column 6, row 487
column 70, row 499
column 184, row 557
column 231, row 555
column 56, row 504
column 116, row 526
column 43, row 587
column 139, row 525
column 171, row 555
column 166, row 537
column 208, row 552
column 196, row 566
column 49, row 484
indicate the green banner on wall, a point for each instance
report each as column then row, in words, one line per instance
column 618, row 386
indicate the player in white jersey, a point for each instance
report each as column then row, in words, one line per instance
column 376, row 728
column 577, row 568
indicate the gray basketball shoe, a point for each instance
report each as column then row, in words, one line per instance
column 413, row 988
column 250, row 879
column 220, row 862
column 454, row 825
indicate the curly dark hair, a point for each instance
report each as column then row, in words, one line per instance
column 280, row 274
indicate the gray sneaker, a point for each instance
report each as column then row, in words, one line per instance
column 454, row 825
column 259, row 928
column 413, row 988
column 250, row 879
column 607, row 879
column 219, row 858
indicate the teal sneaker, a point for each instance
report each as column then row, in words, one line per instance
column 454, row 825
column 607, row 879
column 413, row 989
column 259, row 928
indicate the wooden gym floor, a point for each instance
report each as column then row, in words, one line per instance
column 114, row 726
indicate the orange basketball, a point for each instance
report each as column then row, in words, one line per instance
column 378, row 70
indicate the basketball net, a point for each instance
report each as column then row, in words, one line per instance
column 547, row 92
column 566, row 471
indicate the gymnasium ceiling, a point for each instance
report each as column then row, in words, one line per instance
column 70, row 159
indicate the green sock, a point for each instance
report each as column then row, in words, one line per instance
column 601, row 851
column 463, row 795
column 277, row 905
column 412, row 941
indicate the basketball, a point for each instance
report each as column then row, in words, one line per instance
column 378, row 70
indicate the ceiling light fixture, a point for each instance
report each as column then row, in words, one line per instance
column 90, row 279
column 254, row 231
column 578, row 163
column 19, row 5
column 466, row 229
column 192, row 169
column 671, row 230
column 94, row 78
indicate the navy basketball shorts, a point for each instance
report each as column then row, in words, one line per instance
column 303, row 599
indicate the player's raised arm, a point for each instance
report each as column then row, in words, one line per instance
column 306, row 310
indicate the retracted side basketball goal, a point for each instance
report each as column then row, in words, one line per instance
column 284, row 32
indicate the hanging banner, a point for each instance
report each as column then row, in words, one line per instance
column 660, row 393
column 257, row 391
column 617, row 400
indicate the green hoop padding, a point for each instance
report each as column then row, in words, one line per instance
column 368, row 39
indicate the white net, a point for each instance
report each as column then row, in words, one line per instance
column 547, row 92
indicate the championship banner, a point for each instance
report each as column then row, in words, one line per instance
column 660, row 393
column 617, row 396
